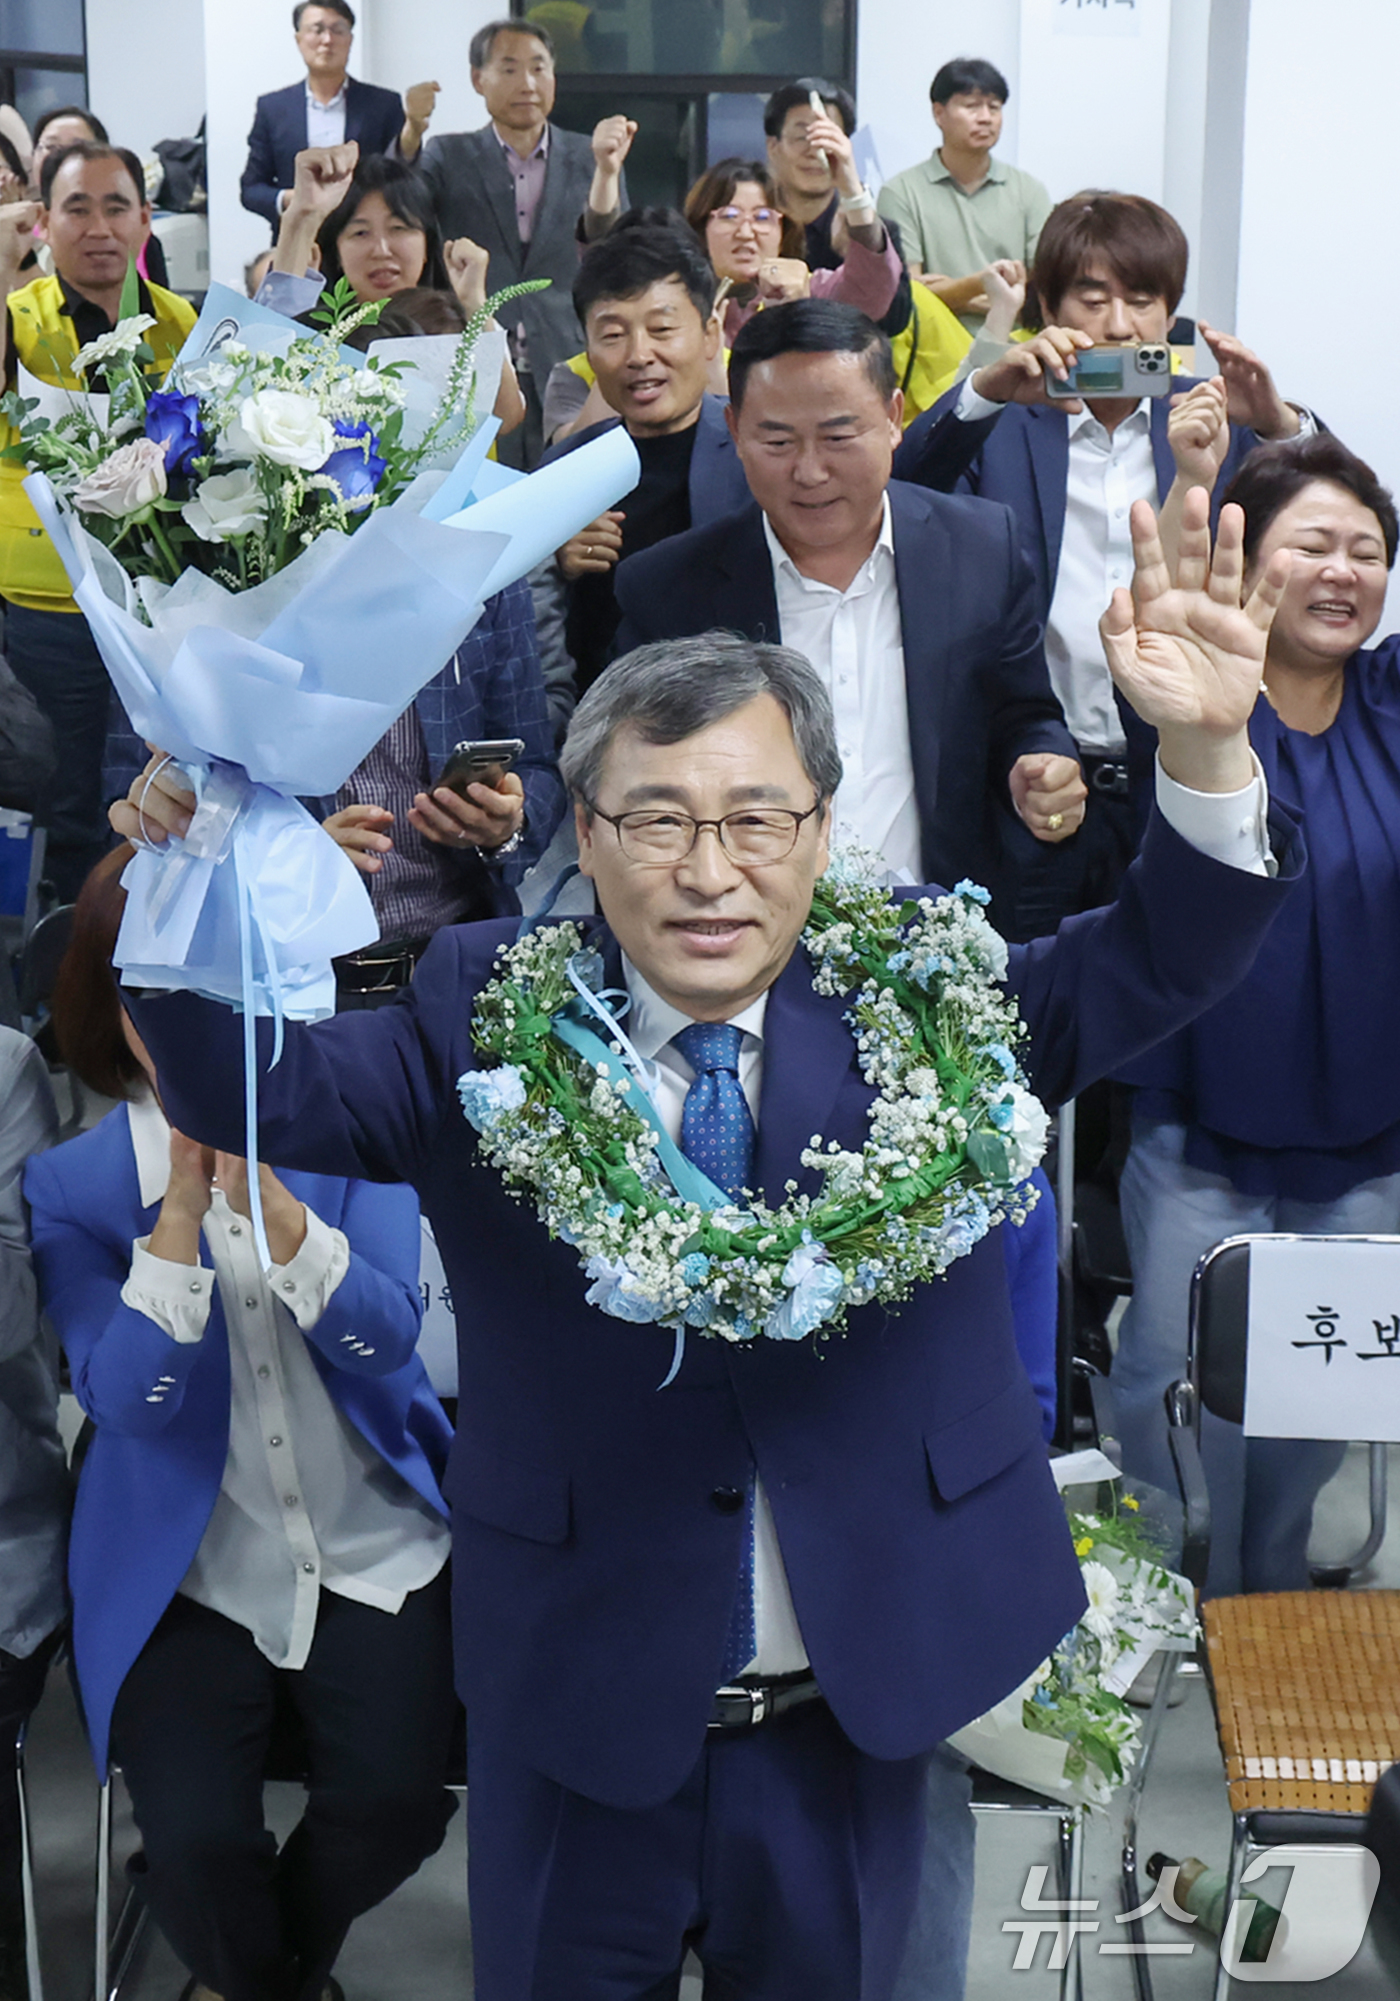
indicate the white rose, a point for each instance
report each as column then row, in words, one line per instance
column 225, row 506
column 129, row 480
column 280, row 425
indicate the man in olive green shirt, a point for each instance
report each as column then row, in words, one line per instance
column 962, row 209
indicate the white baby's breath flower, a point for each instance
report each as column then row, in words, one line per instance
column 124, row 338
column 281, row 425
column 225, row 506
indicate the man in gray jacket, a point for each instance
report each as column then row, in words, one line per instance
column 518, row 187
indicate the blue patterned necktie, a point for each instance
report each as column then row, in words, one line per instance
column 717, row 1134
column 716, row 1124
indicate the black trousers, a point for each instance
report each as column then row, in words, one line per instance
column 192, row 1729
column 1054, row 881
column 55, row 655
column 21, row 1685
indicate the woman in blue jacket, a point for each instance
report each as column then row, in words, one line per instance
column 259, row 1533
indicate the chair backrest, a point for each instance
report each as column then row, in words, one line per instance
column 1218, row 1337
column 43, row 952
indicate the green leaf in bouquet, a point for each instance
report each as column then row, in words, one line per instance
column 131, row 292
column 988, row 1155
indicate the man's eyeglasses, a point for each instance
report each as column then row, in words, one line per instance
column 761, row 218
column 320, row 32
column 757, row 835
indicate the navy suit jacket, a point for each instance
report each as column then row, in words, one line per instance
column 975, row 678
column 373, row 116
column 1021, row 457
column 594, row 1567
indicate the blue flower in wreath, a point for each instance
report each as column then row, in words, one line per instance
column 355, row 466
column 1002, row 1057
column 817, row 1286
column 172, row 421
column 487, row 1095
column 972, row 892
column 615, row 1290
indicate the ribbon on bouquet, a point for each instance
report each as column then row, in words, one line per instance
column 629, row 1071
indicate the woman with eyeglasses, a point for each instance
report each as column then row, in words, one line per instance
column 733, row 209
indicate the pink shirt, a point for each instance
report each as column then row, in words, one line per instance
column 527, row 176
column 867, row 280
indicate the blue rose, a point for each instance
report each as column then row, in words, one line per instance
column 356, row 466
column 173, row 422
column 487, row 1095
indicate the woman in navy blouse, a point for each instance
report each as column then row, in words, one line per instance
column 1279, row 1109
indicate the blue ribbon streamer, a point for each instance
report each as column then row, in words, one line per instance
column 691, row 1183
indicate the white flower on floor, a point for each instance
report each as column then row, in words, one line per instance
column 281, row 425
column 124, row 338
column 1101, row 1587
column 225, row 506
column 130, row 479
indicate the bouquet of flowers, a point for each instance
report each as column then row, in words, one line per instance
column 270, row 554
column 246, row 457
column 1067, row 1730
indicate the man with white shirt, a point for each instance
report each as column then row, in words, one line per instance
column 1109, row 269
column 916, row 610
column 691, row 1728
column 330, row 108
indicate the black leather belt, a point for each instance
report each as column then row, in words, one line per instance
column 1108, row 775
column 744, row 1704
column 379, row 969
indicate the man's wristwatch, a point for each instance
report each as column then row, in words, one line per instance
column 507, row 847
column 862, row 198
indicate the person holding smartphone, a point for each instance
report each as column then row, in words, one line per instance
column 441, row 837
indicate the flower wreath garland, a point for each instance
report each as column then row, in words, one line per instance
column 953, row 1132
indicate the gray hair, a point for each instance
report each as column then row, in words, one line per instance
column 677, row 687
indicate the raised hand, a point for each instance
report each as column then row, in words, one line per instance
column 419, row 104
column 185, row 1202
column 1198, row 431
column 594, row 550
column 1250, row 388
column 466, row 272
column 1189, row 653
column 284, row 1217
column 783, row 278
column 322, row 178
column 18, row 221
column 612, row 142
column 1048, row 792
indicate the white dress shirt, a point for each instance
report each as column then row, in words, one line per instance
column 325, row 123
column 651, row 1023
column 305, row 1502
column 854, row 640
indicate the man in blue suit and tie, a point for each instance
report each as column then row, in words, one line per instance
column 1109, row 270
column 917, row 610
column 708, row 1634
column 326, row 110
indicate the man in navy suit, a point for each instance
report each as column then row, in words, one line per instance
column 918, row 611
column 326, row 110
column 645, row 296
column 910, row 1560
column 1109, row 270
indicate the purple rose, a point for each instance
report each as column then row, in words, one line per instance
column 355, row 466
column 173, row 422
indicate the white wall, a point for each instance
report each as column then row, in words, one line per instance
column 1315, row 240
column 894, row 68
column 146, row 79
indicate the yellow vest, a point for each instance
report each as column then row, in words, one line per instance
column 31, row 572
column 927, row 351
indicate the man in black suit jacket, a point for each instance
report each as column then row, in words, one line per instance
column 518, row 187
column 916, row 609
column 338, row 106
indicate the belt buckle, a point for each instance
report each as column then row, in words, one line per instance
column 757, row 1695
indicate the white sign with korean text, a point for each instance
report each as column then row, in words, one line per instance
column 1324, row 1340
column 1097, row 17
